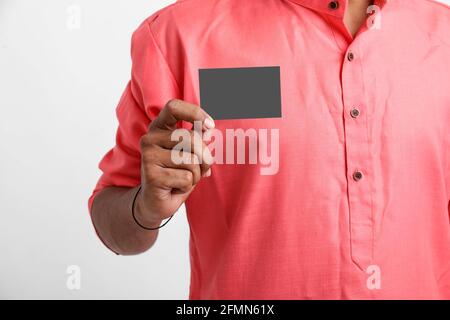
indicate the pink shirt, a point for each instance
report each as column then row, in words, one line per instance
column 359, row 208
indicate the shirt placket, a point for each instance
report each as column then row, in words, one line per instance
column 359, row 173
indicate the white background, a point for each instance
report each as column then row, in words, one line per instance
column 59, row 87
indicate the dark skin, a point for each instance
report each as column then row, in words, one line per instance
column 165, row 185
column 356, row 14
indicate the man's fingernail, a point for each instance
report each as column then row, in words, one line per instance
column 208, row 173
column 209, row 123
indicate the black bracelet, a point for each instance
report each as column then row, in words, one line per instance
column 134, row 217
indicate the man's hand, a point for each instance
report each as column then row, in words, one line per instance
column 165, row 184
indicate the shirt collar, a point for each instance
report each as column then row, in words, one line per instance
column 335, row 8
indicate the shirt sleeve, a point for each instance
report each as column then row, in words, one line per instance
column 151, row 85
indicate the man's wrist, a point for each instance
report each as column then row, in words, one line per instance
column 142, row 214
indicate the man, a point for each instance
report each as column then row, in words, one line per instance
column 359, row 208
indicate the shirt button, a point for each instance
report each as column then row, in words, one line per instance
column 350, row 56
column 355, row 113
column 357, row 175
column 333, row 5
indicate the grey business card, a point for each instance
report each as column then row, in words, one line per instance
column 241, row 93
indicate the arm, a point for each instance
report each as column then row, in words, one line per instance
column 111, row 215
column 140, row 155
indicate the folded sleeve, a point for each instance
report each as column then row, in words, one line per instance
column 151, row 85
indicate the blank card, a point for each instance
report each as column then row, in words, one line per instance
column 241, row 93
